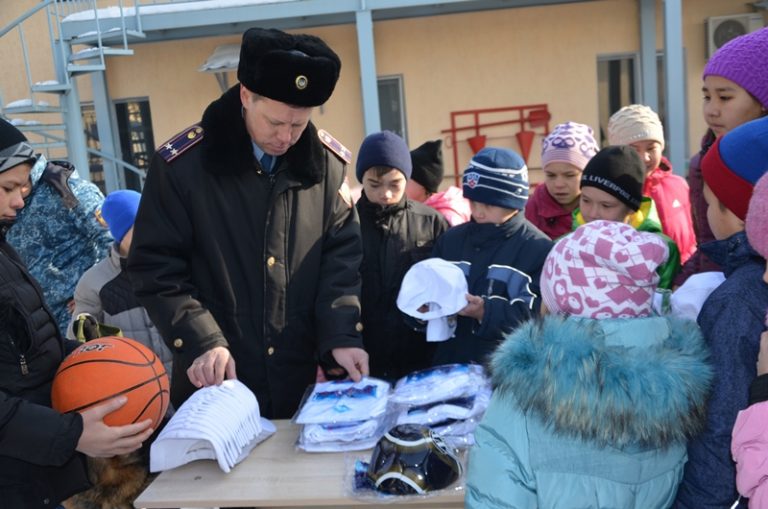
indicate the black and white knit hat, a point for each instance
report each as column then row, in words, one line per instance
column 14, row 147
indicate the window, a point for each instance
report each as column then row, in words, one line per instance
column 392, row 105
column 95, row 163
column 137, row 143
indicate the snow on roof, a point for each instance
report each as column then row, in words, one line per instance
column 184, row 6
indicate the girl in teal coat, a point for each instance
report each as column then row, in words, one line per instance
column 593, row 405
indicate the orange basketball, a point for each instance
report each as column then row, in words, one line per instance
column 107, row 367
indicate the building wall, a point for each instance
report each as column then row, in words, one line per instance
column 487, row 59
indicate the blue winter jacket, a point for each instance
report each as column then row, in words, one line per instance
column 589, row 414
column 57, row 233
column 732, row 319
column 502, row 264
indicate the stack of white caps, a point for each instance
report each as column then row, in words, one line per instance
column 220, row 422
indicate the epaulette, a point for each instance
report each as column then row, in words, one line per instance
column 180, row 143
column 335, row 146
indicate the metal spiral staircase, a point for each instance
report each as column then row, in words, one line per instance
column 50, row 116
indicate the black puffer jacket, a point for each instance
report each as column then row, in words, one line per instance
column 394, row 238
column 224, row 254
column 39, row 466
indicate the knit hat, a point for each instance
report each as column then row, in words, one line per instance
column 744, row 61
column 757, row 217
column 14, row 147
column 635, row 122
column 384, row 148
column 604, row 269
column 735, row 162
column 618, row 171
column 427, row 161
column 571, row 143
column 296, row 69
column 119, row 212
column 497, row 176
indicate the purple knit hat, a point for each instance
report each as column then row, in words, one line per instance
column 571, row 143
column 744, row 60
column 757, row 217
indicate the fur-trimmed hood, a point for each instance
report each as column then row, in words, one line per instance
column 227, row 147
column 618, row 382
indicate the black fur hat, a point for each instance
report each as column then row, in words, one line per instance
column 300, row 70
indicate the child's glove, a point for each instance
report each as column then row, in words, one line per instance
column 86, row 328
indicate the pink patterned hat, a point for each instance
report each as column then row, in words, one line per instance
column 604, row 269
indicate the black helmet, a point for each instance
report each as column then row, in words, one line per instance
column 410, row 459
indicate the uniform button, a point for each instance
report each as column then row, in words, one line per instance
column 270, row 261
column 270, row 350
column 359, row 327
column 178, row 343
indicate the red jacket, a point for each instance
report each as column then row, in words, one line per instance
column 547, row 215
column 672, row 197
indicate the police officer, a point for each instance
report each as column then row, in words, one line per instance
column 246, row 247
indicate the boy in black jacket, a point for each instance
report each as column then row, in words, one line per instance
column 397, row 232
column 500, row 252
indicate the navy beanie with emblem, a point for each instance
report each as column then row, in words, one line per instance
column 383, row 149
column 497, row 176
column 427, row 161
column 618, row 171
column 296, row 69
column 14, row 147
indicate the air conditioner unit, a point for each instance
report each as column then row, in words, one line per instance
column 721, row 29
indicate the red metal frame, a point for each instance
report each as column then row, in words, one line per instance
column 532, row 115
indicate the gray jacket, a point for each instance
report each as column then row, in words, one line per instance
column 105, row 292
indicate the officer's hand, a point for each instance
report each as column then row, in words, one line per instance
column 101, row 441
column 212, row 367
column 354, row 360
column 762, row 358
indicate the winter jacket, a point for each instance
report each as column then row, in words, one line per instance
column 57, row 234
column 547, row 215
column 451, row 204
column 671, row 195
column 589, row 414
column 698, row 262
column 394, row 238
column 105, row 292
column 646, row 219
column 39, row 466
column 267, row 265
column 750, row 446
column 731, row 319
column 502, row 264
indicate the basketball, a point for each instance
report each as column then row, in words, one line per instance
column 107, row 367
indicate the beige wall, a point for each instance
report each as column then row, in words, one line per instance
column 455, row 62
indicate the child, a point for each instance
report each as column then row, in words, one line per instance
column 733, row 316
column 593, row 405
column 735, row 91
column 750, row 433
column 425, row 181
column 500, row 252
column 640, row 127
column 612, row 189
column 564, row 154
column 41, row 450
column 397, row 232
column 105, row 291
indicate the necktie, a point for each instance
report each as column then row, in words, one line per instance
column 266, row 162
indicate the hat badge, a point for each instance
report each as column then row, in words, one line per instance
column 301, row 82
column 472, row 179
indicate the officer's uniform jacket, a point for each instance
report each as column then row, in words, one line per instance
column 225, row 254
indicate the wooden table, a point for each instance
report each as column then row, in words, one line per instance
column 275, row 474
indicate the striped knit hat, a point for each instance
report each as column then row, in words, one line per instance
column 14, row 147
column 497, row 176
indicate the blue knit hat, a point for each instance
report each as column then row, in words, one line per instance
column 736, row 161
column 383, row 149
column 119, row 212
column 497, row 176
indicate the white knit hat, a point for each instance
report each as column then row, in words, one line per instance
column 635, row 122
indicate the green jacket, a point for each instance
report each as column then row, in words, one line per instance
column 646, row 219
